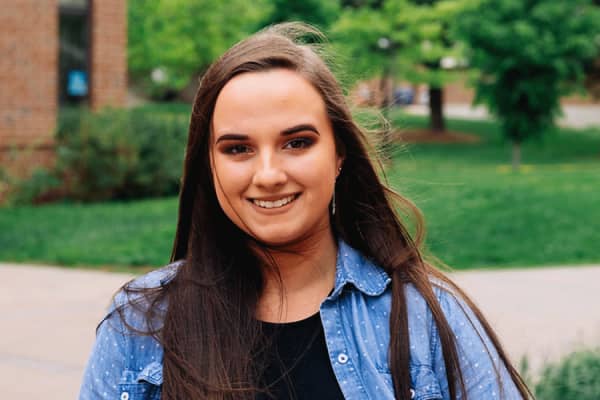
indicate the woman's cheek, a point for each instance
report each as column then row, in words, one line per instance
column 314, row 171
column 232, row 175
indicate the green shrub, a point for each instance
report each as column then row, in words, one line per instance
column 120, row 154
column 111, row 155
column 577, row 377
column 5, row 183
column 42, row 186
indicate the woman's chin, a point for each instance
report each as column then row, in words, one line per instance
column 277, row 240
column 291, row 239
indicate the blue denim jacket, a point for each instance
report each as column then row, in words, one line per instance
column 355, row 319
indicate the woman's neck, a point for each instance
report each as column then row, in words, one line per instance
column 304, row 276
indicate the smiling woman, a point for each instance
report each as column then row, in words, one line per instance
column 275, row 171
column 292, row 275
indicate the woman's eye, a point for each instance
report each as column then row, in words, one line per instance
column 237, row 149
column 299, row 143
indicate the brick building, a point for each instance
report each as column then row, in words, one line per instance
column 55, row 52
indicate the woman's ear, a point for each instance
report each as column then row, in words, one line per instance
column 339, row 163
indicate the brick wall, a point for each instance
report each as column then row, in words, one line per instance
column 108, row 53
column 28, row 73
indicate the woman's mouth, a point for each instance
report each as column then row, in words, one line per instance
column 275, row 203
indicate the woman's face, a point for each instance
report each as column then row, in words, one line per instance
column 273, row 155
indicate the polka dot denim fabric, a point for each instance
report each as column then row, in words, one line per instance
column 355, row 319
column 124, row 365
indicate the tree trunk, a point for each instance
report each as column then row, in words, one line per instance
column 436, row 111
column 516, row 156
column 386, row 92
column 385, row 89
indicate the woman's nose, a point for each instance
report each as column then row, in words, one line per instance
column 269, row 173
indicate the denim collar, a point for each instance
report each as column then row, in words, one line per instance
column 353, row 268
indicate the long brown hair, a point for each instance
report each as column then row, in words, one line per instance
column 210, row 336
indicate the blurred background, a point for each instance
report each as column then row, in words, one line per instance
column 493, row 105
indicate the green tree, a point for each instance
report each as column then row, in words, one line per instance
column 403, row 38
column 432, row 22
column 362, row 3
column 178, row 39
column 529, row 54
column 315, row 12
column 363, row 35
column 592, row 71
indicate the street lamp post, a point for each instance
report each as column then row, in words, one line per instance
column 384, row 44
column 385, row 88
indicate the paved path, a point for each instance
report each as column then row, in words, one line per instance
column 576, row 116
column 48, row 316
column 539, row 313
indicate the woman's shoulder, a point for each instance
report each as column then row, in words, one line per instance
column 458, row 311
column 450, row 297
column 142, row 296
column 456, row 307
column 157, row 277
column 478, row 357
column 127, row 356
column 149, row 281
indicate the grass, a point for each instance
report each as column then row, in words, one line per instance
column 479, row 213
column 109, row 235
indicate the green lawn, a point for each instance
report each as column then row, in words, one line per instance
column 109, row 235
column 479, row 214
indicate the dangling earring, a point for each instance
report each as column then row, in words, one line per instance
column 333, row 202
column 333, row 199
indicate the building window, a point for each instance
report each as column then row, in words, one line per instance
column 74, row 39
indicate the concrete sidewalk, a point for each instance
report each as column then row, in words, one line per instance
column 48, row 316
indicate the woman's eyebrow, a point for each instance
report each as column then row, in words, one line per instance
column 285, row 132
column 231, row 136
column 299, row 128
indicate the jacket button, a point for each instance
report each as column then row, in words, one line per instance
column 342, row 358
column 125, row 396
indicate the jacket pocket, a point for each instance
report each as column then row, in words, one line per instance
column 139, row 391
column 425, row 384
column 145, row 385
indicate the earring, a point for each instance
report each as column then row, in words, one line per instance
column 333, row 202
column 333, row 199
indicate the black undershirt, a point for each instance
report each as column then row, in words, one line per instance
column 298, row 365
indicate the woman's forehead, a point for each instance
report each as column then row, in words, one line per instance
column 273, row 97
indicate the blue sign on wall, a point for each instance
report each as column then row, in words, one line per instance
column 77, row 83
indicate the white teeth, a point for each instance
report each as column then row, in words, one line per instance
column 274, row 204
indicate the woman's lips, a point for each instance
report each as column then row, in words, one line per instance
column 275, row 203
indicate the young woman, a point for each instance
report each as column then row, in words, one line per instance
column 292, row 275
